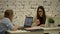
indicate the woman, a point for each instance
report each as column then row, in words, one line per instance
column 6, row 22
column 41, row 17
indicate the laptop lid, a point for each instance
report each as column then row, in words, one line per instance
column 28, row 21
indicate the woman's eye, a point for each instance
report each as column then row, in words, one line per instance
column 40, row 11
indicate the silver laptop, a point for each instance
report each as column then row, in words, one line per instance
column 28, row 23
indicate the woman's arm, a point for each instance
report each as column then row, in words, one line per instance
column 42, row 25
column 15, row 27
column 10, row 25
column 38, row 23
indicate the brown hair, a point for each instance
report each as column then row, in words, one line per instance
column 43, row 16
column 9, row 14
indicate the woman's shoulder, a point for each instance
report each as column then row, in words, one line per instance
column 5, row 20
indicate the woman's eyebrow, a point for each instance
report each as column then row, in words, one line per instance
column 39, row 11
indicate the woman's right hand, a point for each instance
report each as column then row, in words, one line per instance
column 37, row 21
column 16, row 27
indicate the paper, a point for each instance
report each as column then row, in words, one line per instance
column 18, row 31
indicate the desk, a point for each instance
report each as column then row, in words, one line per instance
column 51, row 30
column 25, row 32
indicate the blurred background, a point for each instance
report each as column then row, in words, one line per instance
column 23, row 8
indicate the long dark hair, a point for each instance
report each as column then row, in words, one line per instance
column 8, row 14
column 43, row 16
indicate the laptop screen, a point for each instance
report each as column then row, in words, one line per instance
column 28, row 21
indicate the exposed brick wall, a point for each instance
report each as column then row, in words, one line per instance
column 22, row 8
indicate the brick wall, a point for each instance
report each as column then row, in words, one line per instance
column 24, row 8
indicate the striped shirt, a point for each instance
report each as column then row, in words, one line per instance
column 6, row 24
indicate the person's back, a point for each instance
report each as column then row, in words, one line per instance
column 3, row 27
column 6, row 22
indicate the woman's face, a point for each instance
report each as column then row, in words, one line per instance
column 11, row 15
column 40, row 12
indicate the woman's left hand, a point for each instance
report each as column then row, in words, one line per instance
column 42, row 25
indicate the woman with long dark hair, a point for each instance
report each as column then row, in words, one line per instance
column 41, row 17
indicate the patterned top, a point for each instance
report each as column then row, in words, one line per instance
column 5, row 24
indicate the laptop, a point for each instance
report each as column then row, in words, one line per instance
column 28, row 23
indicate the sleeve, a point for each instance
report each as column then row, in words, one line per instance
column 8, row 24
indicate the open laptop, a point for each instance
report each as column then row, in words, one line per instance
column 28, row 23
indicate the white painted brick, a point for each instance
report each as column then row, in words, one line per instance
column 46, row 9
column 11, row 1
column 29, row 7
column 17, row 3
column 33, row 3
column 12, row 7
column 34, row 7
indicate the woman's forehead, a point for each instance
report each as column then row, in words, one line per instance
column 40, row 10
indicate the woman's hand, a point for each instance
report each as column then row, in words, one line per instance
column 16, row 26
column 42, row 25
column 37, row 21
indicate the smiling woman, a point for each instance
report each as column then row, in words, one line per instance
column 41, row 17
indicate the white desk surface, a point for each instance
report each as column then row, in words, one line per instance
column 44, row 28
column 18, row 31
column 49, row 28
